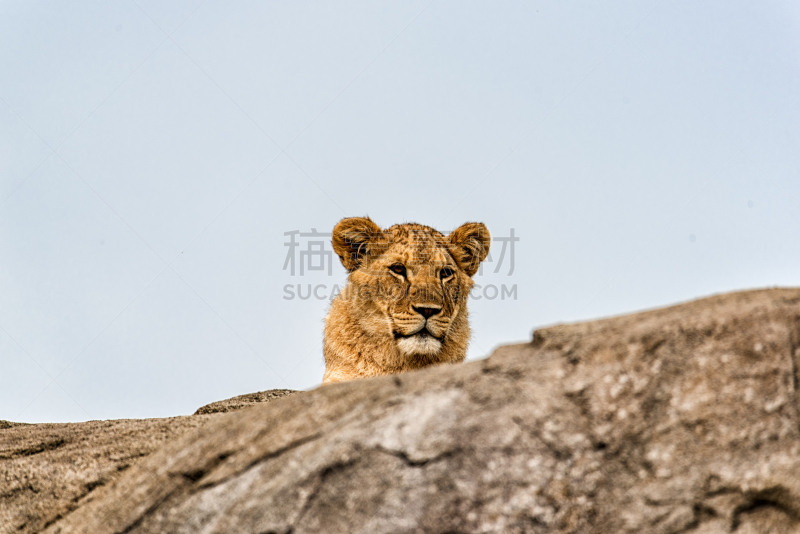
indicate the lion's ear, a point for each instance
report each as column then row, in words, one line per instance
column 355, row 239
column 470, row 246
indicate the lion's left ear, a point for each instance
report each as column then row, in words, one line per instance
column 357, row 238
column 470, row 246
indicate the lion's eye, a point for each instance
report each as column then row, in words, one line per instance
column 397, row 268
column 447, row 272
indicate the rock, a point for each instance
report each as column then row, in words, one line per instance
column 8, row 424
column 683, row 419
column 244, row 401
column 49, row 470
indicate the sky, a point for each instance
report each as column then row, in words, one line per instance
column 158, row 159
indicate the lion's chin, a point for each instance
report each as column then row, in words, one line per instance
column 419, row 345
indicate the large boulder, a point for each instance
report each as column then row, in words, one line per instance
column 49, row 470
column 683, row 419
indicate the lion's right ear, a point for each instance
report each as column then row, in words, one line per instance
column 471, row 243
column 356, row 238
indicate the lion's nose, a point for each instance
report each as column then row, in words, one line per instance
column 427, row 311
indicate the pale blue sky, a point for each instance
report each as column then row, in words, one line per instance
column 152, row 155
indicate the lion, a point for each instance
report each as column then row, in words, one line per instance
column 404, row 306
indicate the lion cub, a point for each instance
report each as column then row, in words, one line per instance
column 404, row 305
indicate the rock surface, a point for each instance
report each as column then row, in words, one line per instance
column 677, row 420
column 243, row 401
column 49, row 470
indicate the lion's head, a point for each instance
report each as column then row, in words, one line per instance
column 405, row 303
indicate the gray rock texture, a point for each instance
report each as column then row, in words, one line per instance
column 677, row 420
column 243, row 401
column 49, row 470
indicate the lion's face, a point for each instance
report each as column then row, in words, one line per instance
column 413, row 289
column 408, row 283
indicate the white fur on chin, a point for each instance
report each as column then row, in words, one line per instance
column 426, row 345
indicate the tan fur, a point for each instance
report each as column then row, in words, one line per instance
column 376, row 325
